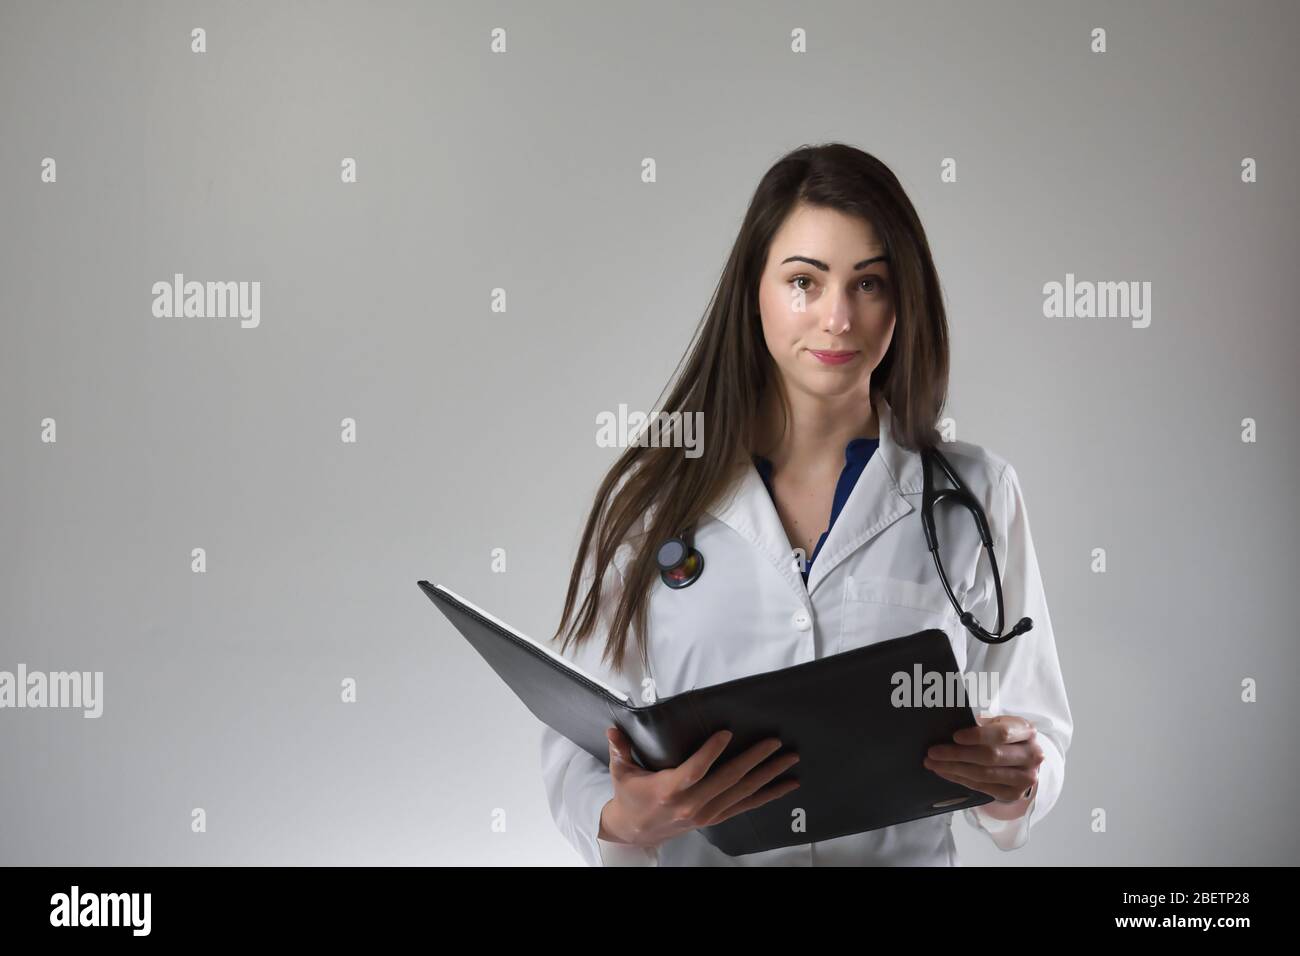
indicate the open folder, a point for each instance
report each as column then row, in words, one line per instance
column 860, row 751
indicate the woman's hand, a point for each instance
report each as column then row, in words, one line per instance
column 650, row 807
column 1000, row 757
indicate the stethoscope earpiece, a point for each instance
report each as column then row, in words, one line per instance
column 680, row 565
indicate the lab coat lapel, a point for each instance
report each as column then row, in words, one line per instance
column 876, row 501
column 751, row 513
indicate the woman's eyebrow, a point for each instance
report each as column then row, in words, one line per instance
column 825, row 268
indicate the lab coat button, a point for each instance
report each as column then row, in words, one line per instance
column 801, row 620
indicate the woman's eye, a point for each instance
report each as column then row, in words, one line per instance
column 879, row 284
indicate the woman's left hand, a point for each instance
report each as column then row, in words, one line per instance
column 999, row 757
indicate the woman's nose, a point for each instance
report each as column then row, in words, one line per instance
column 839, row 314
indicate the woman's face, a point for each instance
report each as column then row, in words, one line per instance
column 821, row 296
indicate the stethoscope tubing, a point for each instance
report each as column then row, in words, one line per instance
column 681, row 564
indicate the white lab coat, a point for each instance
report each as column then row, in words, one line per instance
column 751, row 612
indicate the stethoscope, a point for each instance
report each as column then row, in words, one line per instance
column 681, row 564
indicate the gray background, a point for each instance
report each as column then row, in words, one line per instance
column 477, row 430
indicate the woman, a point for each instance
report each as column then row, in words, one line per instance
column 821, row 371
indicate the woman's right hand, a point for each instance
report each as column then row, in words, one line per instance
column 650, row 807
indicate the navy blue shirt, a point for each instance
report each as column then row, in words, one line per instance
column 856, row 455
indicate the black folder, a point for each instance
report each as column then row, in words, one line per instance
column 859, row 755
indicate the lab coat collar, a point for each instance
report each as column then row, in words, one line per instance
column 876, row 501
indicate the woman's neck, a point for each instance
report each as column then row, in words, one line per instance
column 817, row 432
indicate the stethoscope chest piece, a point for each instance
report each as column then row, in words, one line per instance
column 680, row 565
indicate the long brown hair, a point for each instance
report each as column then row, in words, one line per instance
column 728, row 368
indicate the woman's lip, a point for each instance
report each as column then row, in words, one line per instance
column 832, row 358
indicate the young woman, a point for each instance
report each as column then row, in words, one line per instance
column 820, row 371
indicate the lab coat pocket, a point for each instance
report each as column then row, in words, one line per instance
column 880, row 609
